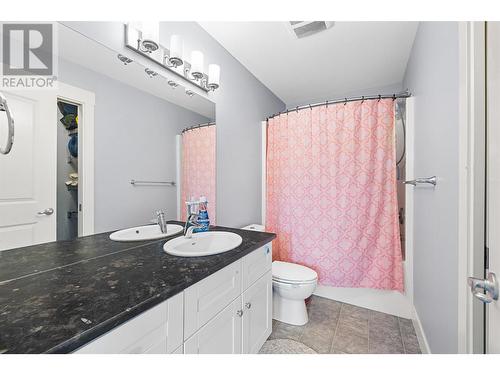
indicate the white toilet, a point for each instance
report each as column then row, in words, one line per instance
column 292, row 284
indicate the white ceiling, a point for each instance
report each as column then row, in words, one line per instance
column 348, row 58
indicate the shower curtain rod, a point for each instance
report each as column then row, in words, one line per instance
column 198, row 126
column 404, row 94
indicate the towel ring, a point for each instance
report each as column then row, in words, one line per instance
column 10, row 124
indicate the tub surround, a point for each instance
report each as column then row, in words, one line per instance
column 56, row 297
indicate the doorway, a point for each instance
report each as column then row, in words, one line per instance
column 67, row 170
column 28, row 198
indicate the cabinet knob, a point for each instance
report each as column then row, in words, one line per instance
column 248, row 305
column 267, row 250
column 239, row 313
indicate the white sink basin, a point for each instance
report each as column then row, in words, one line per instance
column 202, row 244
column 144, row 233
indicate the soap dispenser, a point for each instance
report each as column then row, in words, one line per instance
column 203, row 218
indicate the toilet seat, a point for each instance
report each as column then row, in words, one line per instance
column 291, row 273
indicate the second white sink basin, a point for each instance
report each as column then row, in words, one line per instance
column 202, row 244
column 146, row 232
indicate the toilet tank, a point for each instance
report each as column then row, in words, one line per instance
column 255, row 227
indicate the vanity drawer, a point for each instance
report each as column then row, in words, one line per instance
column 158, row 330
column 208, row 297
column 256, row 264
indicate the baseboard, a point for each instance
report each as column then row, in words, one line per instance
column 386, row 301
column 419, row 330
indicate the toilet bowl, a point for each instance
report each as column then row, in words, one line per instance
column 292, row 284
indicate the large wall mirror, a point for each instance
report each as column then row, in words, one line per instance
column 113, row 144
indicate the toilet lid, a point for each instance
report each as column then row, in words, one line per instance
column 292, row 272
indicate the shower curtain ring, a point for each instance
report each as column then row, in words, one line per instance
column 362, row 99
column 311, row 108
column 379, row 97
column 345, row 101
column 326, row 104
column 297, row 109
column 393, row 97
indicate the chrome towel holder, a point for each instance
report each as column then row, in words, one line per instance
column 10, row 125
column 421, row 181
column 152, row 183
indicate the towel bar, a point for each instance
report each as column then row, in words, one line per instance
column 152, row 183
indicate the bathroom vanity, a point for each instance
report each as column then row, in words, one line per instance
column 93, row 295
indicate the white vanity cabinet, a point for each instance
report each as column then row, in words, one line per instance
column 257, row 314
column 155, row 331
column 218, row 321
column 221, row 335
column 227, row 312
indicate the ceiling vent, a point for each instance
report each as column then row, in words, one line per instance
column 301, row 29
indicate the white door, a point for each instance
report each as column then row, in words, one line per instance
column 28, row 172
column 257, row 314
column 493, row 181
column 221, row 335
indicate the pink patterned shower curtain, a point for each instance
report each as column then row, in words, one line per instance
column 199, row 168
column 331, row 193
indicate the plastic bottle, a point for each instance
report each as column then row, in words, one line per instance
column 203, row 218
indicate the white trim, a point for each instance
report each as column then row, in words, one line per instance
column 386, row 301
column 178, row 163
column 86, row 101
column 422, row 339
column 471, row 190
column 409, row 198
column 263, row 169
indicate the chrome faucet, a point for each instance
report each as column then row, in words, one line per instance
column 160, row 219
column 193, row 222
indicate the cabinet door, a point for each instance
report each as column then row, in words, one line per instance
column 157, row 330
column 208, row 297
column 221, row 335
column 257, row 314
column 256, row 264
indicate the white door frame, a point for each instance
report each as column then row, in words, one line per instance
column 471, row 181
column 86, row 102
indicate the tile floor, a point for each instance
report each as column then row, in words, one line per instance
column 336, row 327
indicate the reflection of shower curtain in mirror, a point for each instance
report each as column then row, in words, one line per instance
column 199, row 168
column 331, row 193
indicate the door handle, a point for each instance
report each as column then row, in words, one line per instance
column 10, row 125
column 486, row 290
column 47, row 211
column 418, row 181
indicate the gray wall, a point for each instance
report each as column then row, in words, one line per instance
column 134, row 139
column 242, row 103
column 432, row 76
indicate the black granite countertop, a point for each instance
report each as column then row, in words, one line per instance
column 58, row 296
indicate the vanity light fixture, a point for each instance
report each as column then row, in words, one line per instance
column 175, row 57
column 197, row 65
column 124, row 59
column 173, row 84
column 213, row 77
column 149, row 40
column 150, row 73
column 143, row 38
